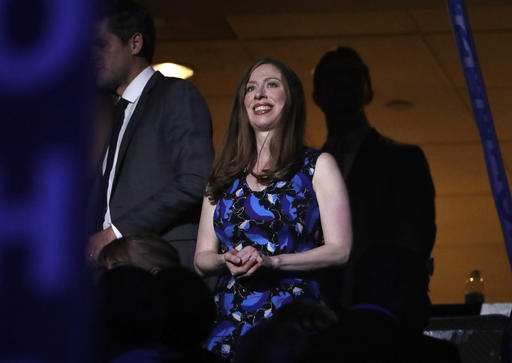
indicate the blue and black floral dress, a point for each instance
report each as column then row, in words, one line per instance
column 282, row 218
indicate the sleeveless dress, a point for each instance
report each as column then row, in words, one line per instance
column 282, row 218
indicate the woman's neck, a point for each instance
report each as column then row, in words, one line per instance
column 263, row 151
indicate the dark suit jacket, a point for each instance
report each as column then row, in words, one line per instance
column 164, row 161
column 392, row 201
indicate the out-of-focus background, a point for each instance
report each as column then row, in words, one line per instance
column 420, row 96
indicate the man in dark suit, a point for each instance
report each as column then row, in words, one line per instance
column 156, row 163
column 389, row 183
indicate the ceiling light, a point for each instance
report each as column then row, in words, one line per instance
column 174, row 70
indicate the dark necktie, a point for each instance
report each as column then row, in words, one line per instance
column 114, row 136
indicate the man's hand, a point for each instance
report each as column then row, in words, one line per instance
column 97, row 241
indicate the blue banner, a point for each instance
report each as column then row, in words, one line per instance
column 46, row 97
column 482, row 112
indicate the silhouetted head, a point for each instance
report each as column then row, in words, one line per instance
column 130, row 313
column 148, row 252
column 189, row 311
column 306, row 316
column 272, row 341
column 342, row 83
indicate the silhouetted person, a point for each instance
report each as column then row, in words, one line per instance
column 389, row 183
column 163, row 317
column 393, row 281
column 388, row 317
column 130, row 314
column 189, row 311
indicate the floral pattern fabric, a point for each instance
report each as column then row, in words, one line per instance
column 282, row 218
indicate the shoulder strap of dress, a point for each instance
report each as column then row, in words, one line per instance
column 310, row 158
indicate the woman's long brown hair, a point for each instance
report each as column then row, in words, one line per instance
column 237, row 152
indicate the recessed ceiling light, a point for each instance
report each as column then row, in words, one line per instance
column 174, row 70
column 399, row 104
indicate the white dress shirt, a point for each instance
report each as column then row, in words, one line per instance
column 132, row 95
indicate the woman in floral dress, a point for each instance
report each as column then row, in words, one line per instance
column 274, row 211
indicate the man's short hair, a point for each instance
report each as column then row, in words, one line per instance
column 127, row 17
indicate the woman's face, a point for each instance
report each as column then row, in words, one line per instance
column 265, row 97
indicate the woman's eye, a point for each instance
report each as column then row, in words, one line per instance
column 272, row 84
column 249, row 89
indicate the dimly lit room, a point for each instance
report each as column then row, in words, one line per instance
column 431, row 80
